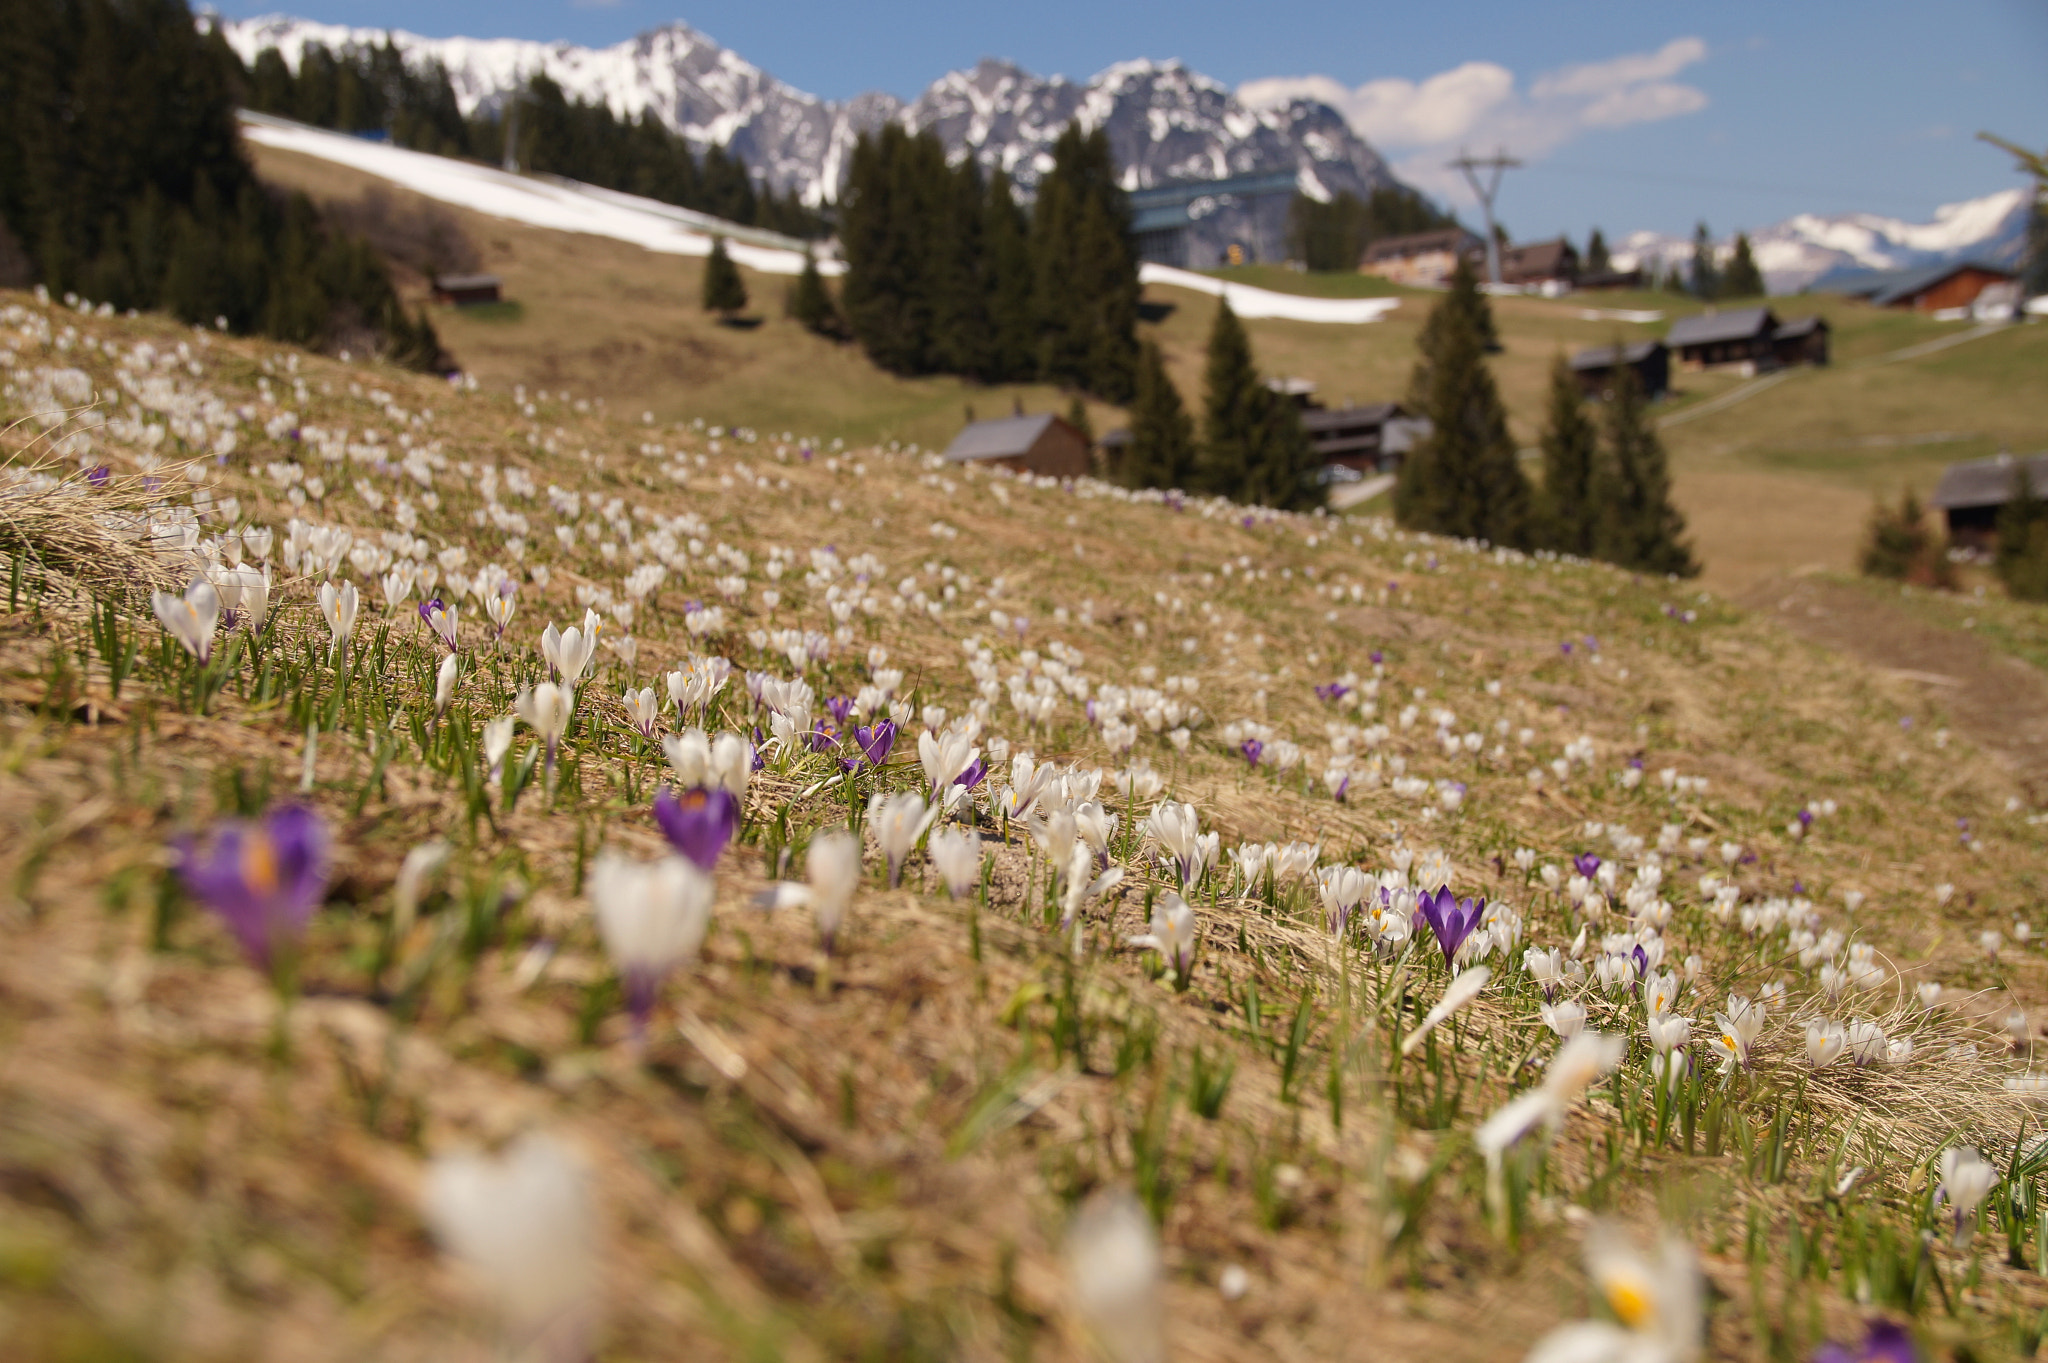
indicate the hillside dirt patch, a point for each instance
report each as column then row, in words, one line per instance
column 2000, row 702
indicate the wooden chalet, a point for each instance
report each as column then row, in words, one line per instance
column 1540, row 264
column 1045, row 444
column 1595, row 369
column 1930, row 288
column 1971, row 494
column 1741, row 338
column 1353, row 437
column 467, row 290
column 1803, row 340
column 1422, row 259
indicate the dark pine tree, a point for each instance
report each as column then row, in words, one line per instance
column 1284, row 463
column 887, row 214
column 1569, row 518
column 1742, row 279
column 809, row 303
column 1162, row 448
column 725, row 293
column 1087, row 270
column 1007, row 277
column 1077, row 417
column 1705, row 281
column 1231, row 411
column 1463, row 479
column 1639, row 527
column 2021, row 560
column 1598, row 261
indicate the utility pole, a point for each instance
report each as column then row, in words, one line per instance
column 1498, row 163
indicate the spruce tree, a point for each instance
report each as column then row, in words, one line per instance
column 1007, row 279
column 1077, row 417
column 1706, row 276
column 1162, row 448
column 1598, row 261
column 725, row 292
column 1231, row 412
column 1463, row 479
column 1283, row 464
column 1569, row 517
column 810, row 304
column 1463, row 308
column 1086, row 267
column 1742, row 278
column 2021, row 560
column 1639, row 527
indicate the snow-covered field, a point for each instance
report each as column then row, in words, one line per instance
column 1246, row 301
column 539, row 201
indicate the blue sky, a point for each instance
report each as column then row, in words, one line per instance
column 1630, row 115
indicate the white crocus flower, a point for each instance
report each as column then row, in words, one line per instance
column 499, row 606
column 444, row 683
column 701, row 760
column 899, row 820
column 1113, row 1262
column 956, row 852
column 546, row 710
column 1567, row 1018
column 1580, row 1063
column 1966, row 1179
column 944, row 756
column 1867, row 1043
column 1655, row 1300
column 1669, row 1033
column 1080, row 889
column 1139, row 783
column 643, row 711
column 831, row 875
column 568, row 652
column 338, row 606
column 1457, row 994
column 651, row 916
column 523, row 1223
column 413, row 873
column 498, row 742
column 191, row 618
column 1825, row 1042
column 1173, row 933
column 1736, row 1030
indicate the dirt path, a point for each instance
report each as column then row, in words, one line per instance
column 2000, row 702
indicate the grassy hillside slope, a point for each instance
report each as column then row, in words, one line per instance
column 1782, row 481
column 880, row 1150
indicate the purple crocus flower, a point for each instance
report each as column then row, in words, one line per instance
column 976, row 773
column 1805, row 817
column 1332, row 691
column 824, row 738
column 1642, row 959
column 1249, row 522
column 760, row 762
column 1798, row 887
column 839, row 707
column 1451, row 919
column 427, row 609
column 1886, row 1342
column 1253, row 750
column 98, row 477
column 876, row 740
column 264, row 878
column 698, row 823
column 1586, row 864
column 1566, row 647
column 1343, row 786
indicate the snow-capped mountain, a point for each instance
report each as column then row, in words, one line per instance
column 1805, row 249
column 1164, row 121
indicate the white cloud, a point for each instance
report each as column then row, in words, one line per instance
column 1477, row 105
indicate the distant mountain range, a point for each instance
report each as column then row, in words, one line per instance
column 1165, row 122
column 1811, row 247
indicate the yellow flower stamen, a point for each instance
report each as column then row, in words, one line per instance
column 259, row 864
column 1631, row 1300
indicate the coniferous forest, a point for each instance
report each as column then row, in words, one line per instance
column 121, row 180
column 946, row 274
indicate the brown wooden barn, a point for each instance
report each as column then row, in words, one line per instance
column 1803, row 340
column 1539, row 263
column 1422, row 259
column 1931, row 288
column 466, row 290
column 1352, row 437
column 1044, row 444
column 1651, row 360
column 1971, row 494
column 1741, row 338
